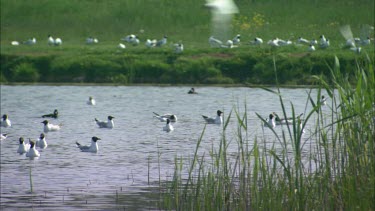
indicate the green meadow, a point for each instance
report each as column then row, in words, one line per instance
column 187, row 22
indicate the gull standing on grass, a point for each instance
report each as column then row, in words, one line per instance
column 106, row 124
column 162, row 42
column 150, row 43
column 15, row 43
column 31, row 41
column 350, row 42
column 217, row 120
column 91, row 40
column 303, row 41
column 92, row 148
column 311, row 48
column 122, row 46
column 237, row 39
column 215, row 43
column 256, row 41
column 58, row 41
column 132, row 39
column 178, row 47
column 50, row 40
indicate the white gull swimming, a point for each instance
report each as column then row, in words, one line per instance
column 5, row 122
column 91, row 101
column 32, row 153
column 48, row 127
column 22, row 146
column 168, row 126
column 214, row 120
column 41, row 142
column 165, row 117
column 92, row 148
column 106, row 124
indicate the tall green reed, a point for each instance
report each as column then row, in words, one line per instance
column 331, row 167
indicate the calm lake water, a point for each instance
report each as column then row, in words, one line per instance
column 133, row 155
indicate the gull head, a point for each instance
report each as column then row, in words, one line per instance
column 95, row 139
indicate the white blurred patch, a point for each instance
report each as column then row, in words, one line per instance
column 221, row 17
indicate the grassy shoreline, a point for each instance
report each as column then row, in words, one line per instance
column 198, row 64
column 161, row 67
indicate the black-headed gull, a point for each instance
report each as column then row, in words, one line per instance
column 192, row 91
column 58, row 41
column 178, row 47
column 92, row 148
column 15, row 43
column 237, row 39
column 105, row 124
column 165, row 117
column 270, row 122
column 48, row 127
column 150, row 43
column 281, row 42
column 311, row 48
column 32, row 153
column 3, row 136
column 121, row 46
column 55, row 114
column 168, row 127
column 273, row 42
column 31, row 41
column 217, row 120
column 323, row 42
column 91, row 40
column 23, row 147
column 50, row 40
column 256, row 41
column 129, row 38
column 229, row 44
column 215, row 42
column 282, row 121
column 91, row 101
column 133, row 39
column 5, row 122
column 41, row 142
column 162, row 42
column 303, row 41
column 323, row 100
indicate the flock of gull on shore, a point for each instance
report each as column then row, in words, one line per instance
column 30, row 148
column 352, row 43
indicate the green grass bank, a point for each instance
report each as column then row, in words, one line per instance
column 187, row 22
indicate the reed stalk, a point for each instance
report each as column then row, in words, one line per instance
column 332, row 167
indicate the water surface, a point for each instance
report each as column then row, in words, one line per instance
column 132, row 156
